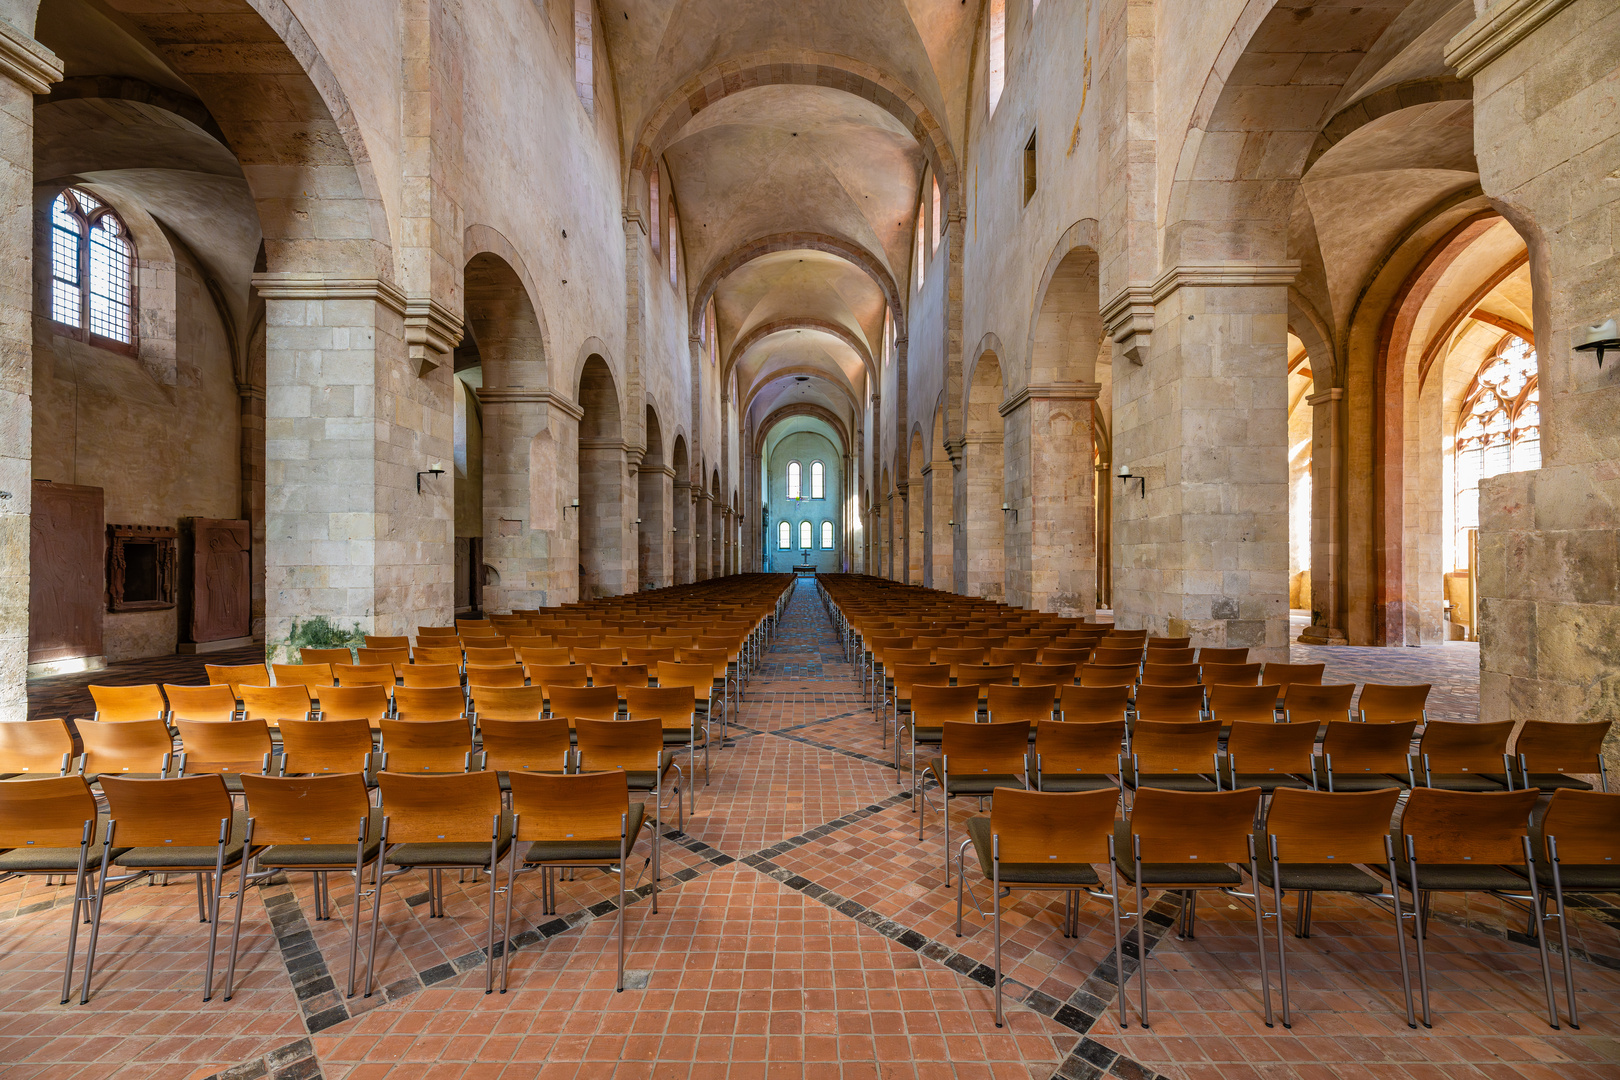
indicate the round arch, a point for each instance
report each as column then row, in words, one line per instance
column 741, row 346
column 848, row 250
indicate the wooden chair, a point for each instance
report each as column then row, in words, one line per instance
column 320, row 747
column 529, row 745
column 49, row 826
column 1312, row 842
column 1384, row 704
column 637, row 747
column 1231, row 674
column 426, row 746
column 438, row 823
column 463, row 625
column 1230, row 704
column 117, row 704
column 704, row 676
column 676, row 708
column 1286, row 675
column 430, row 703
column 234, row 675
column 1169, row 674
column 1172, row 755
column 1547, row 750
column 141, row 748
column 35, row 748
column 491, row 657
column 587, row 821
column 651, row 657
column 1169, row 643
column 324, row 656
column 1091, row 704
column 383, row 675
column 1173, row 703
column 316, row 825
column 1043, row 841
column 1304, row 703
column 1014, row 656
column 1059, row 674
column 975, row 760
column 228, row 748
column 1169, row 655
column 436, row 657
column 902, row 678
column 1366, row 757
column 497, row 675
column 1032, row 703
column 957, row 659
column 1466, row 756
column 435, row 631
column 932, row 707
column 1109, row 674
column 551, row 656
column 312, row 677
column 605, row 657
column 422, row 676
column 520, row 703
column 182, row 825
column 1269, row 756
column 620, row 675
column 1061, row 654
column 985, row 676
column 366, row 702
column 574, row 675
column 385, row 641
column 274, row 704
column 201, row 702
column 1078, row 756
column 1468, row 841
column 1188, row 842
column 1115, row 657
column 1575, row 838
column 591, row 702
column 1223, row 656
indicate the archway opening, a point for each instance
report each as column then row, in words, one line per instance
column 681, row 523
column 983, row 457
column 653, row 547
column 601, row 484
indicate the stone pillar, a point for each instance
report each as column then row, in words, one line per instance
column 937, row 481
column 1205, row 422
column 250, row 448
column 522, row 499
column 1547, row 136
column 957, row 449
column 1055, row 569
column 985, row 532
column 703, row 529
column 349, row 423
column 29, row 69
column 1327, row 520
column 681, row 530
column 653, row 538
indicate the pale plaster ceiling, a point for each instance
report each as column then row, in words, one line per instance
column 800, row 348
column 1412, row 48
column 800, row 284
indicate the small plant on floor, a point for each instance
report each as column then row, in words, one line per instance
column 316, row 633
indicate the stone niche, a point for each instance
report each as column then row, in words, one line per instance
column 143, row 567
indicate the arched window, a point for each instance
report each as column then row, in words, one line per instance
column 1498, row 429
column 784, row 536
column 805, row 539
column 826, row 536
column 92, row 270
column 793, row 476
column 939, row 225
column 818, row 480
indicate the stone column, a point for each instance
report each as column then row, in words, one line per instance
column 349, row 423
column 250, row 448
column 957, row 449
column 653, row 540
column 1547, row 136
column 985, row 531
column 703, row 529
column 937, row 480
column 522, row 499
column 30, row 68
column 1056, row 526
column 681, row 530
column 1327, row 520
column 1205, row 422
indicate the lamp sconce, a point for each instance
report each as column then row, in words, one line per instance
column 1007, row 508
column 638, row 521
column 1125, row 476
column 435, row 469
column 574, row 505
column 1600, row 338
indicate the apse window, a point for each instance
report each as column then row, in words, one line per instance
column 804, row 534
column 784, row 536
column 818, row 480
column 92, row 271
column 826, row 536
column 1498, row 430
column 1029, row 169
column 794, row 475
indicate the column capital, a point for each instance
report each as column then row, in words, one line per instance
column 432, row 332
column 29, row 64
column 294, row 285
column 1128, row 321
column 1056, row 391
column 1223, row 275
column 518, row 395
column 1502, row 26
column 1331, row 394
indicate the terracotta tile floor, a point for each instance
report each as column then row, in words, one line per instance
column 802, row 932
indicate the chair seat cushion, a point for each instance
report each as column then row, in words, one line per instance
column 975, row 783
column 1319, row 877
column 321, row 855
column 1168, row 781
column 564, row 851
column 452, row 852
column 42, row 860
column 1270, row 782
column 1546, row 781
column 1075, row 782
column 1205, row 875
column 1464, row 782
column 1076, row 875
column 1357, row 781
column 182, row 859
column 1463, row 877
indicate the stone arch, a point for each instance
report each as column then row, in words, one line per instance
column 595, row 347
column 482, row 240
column 1070, row 250
column 601, row 482
column 837, row 383
column 741, row 346
column 681, row 517
column 802, row 408
column 1390, row 99
column 855, row 254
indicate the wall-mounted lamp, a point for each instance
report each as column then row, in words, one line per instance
column 570, row 506
column 435, row 469
column 1600, row 338
column 638, row 521
column 1125, row 476
column 1007, row 508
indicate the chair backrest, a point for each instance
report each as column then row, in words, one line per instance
column 1583, row 825
column 1382, row 703
column 525, row 745
column 1114, row 656
column 1108, row 674
column 328, row 809
column 905, row 676
column 1092, row 748
column 558, row 674
column 1344, row 827
column 1061, row 654
column 1014, row 656
column 274, row 703
column 175, row 812
column 1163, row 654
column 1552, row 746
column 1317, row 704
column 984, row 748
column 603, row 656
column 1231, row 674
column 1163, row 747
column 325, row 656
column 416, row 746
column 1033, row 703
column 1170, row 702
column 984, row 676
column 366, row 702
column 1055, row 674
column 35, row 747
column 1286, row 675
column 674, row 705
column 1223, row 656
column 624, row 641
column 224, row 746
column 575, row 642
column 367, row 674
column 1093, row 704
column 311, row 675
column 631, row 745
column 122, row 703
column 453, row 808
column 549, row 656
column 586, row 808
column 932, row 706
column 1169, row 674
column 435, row 631
column 591, row 702
column 620, row 675
column 1169, row 642
column 387, row 641
column 325, row 746
column 505, row 654
column 494, row 675
column 234, row 675
column 698, row 676
column 463, row 625
column 125, row 746
column 651, row 657
column 430, row 655
column 1450, row 746
column 1350, row 747
column 1195, row 827
column 1266, row 747
column 519, row 703
column 423, row 676
column 896, row 657
column 200, row 702
column 1046, row 827
column 1251, row 704
column 1476, row 827
column 715, row 658
column 50, row 812
column 430, row 703
column 957, row 659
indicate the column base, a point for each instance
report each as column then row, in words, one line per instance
column 1322, row 635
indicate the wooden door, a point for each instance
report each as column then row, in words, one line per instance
column 221, row 574
column 67, row 588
